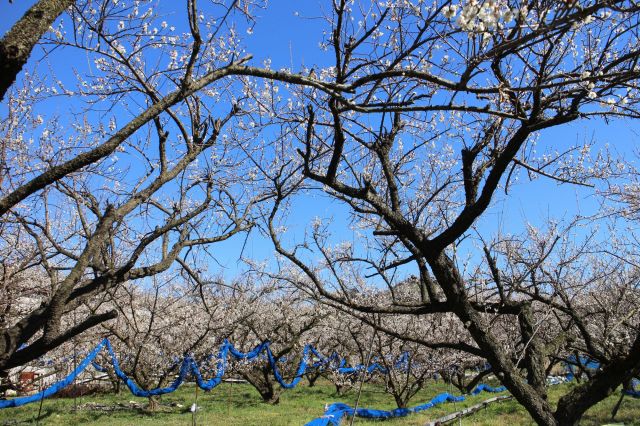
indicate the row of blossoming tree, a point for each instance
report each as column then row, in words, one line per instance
column 158, row 327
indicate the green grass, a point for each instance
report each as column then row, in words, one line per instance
column 239, row 404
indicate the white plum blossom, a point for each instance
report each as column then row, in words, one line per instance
column 450, row 11
column 508, row 16
column 479, row 17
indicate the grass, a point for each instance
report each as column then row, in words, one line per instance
column 239, row 404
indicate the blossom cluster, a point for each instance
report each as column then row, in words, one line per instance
column 480, row 17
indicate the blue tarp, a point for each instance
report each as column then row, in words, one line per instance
column 588, row 363
column 634, row 391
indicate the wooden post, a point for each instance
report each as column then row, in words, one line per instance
column 614, row 412
column 41, row 401
column 458, row 415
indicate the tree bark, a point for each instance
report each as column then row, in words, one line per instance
column 312, row 378
column 18, row 42
column 261, row 381
column 573, row 405
column 452, row 283
column 154, row 403
column 533, row 356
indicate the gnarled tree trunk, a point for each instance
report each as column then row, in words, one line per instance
column 18, row 42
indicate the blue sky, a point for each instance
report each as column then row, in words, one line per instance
column 291, row 40
column 271, row 39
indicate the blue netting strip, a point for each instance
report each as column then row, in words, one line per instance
column 186, row 366
column 336, row 412
column 189, row 366
column 56, row 387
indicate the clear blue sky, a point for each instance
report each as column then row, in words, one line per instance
column 291, row 40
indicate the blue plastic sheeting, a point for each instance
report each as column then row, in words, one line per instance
column 370, row 369
column 323, row 361
column 556, row 380
column 334, row 414
column 586, row 362
column 634, row 392
column 486, row 388
column 56, row 387
column 342, row 368
column 187, row 366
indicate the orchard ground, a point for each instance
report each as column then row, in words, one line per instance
column 239, row 404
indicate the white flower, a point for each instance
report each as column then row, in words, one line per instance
column 121, row 25
column 163, row 24
column 592, row 95
column 508, row 16
column 462, row 22
column 450, row 11
column 605, row 14
column 585, row 74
